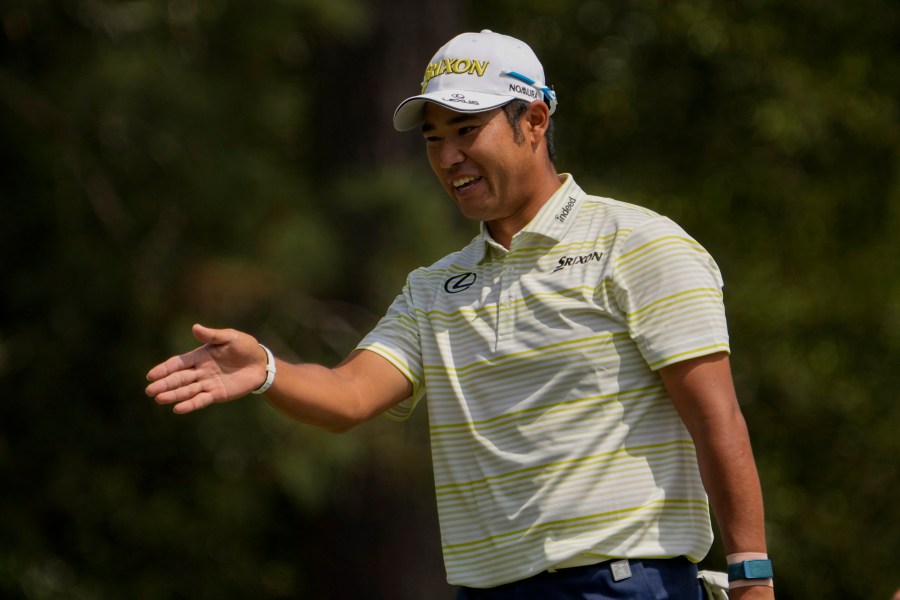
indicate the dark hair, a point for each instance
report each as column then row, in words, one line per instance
column 514, row 111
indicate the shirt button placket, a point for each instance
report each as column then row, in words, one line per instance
column 505, row 314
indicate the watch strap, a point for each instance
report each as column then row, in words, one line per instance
column 750, row 569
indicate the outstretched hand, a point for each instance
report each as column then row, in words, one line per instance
column 229, row 365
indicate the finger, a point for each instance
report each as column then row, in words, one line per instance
column 176, row 387
column 173, row 365
column 197, row 402
column 213, row 337
column 181, row 393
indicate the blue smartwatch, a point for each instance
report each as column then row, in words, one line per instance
column 750, row 569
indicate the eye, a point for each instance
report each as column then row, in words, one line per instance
column 467, row 129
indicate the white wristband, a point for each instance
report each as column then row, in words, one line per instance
column 733, row 585
column 742, row 556
column 270, row 372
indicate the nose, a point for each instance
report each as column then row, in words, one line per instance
column 449, row 154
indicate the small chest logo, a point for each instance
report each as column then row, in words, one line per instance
column 459, row 283
column 568, row 261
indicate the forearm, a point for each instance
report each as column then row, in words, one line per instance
column 730, row 477
column 729, row 474
column 337, row 399
column 316, row 395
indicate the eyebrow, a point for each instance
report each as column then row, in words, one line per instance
column 426, row 127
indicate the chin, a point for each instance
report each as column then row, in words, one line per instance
column 472, row 210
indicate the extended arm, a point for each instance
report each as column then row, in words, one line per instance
column 231, row 364
column 703, row 392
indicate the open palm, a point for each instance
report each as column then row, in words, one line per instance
column 229, row 365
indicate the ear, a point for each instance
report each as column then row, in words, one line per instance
column 536, row 121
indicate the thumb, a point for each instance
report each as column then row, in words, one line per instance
column 213, row 337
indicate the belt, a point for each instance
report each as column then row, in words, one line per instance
column 620, row 568
column 579, row 560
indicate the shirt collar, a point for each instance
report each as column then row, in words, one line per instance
column 552, row 221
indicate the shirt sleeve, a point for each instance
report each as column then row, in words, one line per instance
column 670, row 290
column 396, row 339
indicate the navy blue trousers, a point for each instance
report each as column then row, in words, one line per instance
column 669, row 579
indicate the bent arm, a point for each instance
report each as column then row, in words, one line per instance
column 703, row 393
column 231, row 364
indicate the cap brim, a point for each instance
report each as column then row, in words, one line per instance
column 411, row 112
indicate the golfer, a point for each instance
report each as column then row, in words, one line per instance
column 574, row 359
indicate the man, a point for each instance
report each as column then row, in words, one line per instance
column 574, row 356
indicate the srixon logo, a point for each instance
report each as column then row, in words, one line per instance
column 568, row 261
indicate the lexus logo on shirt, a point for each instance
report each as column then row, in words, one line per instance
column 459, row 283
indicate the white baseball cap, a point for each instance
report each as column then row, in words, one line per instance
column 475, row 72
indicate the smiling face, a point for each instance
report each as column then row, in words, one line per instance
column 491, row 176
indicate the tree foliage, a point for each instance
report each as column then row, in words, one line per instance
column 234, row 164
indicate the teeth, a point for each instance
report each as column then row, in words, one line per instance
column 458, row 183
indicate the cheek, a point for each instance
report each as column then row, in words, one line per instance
column 433, row 163
column 498, row 151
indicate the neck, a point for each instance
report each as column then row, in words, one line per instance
column 503, row 230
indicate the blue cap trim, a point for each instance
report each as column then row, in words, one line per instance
column 549, row 94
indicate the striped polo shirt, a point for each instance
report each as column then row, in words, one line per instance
column 552, row 436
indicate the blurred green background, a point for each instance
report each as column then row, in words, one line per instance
column 233, row 163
